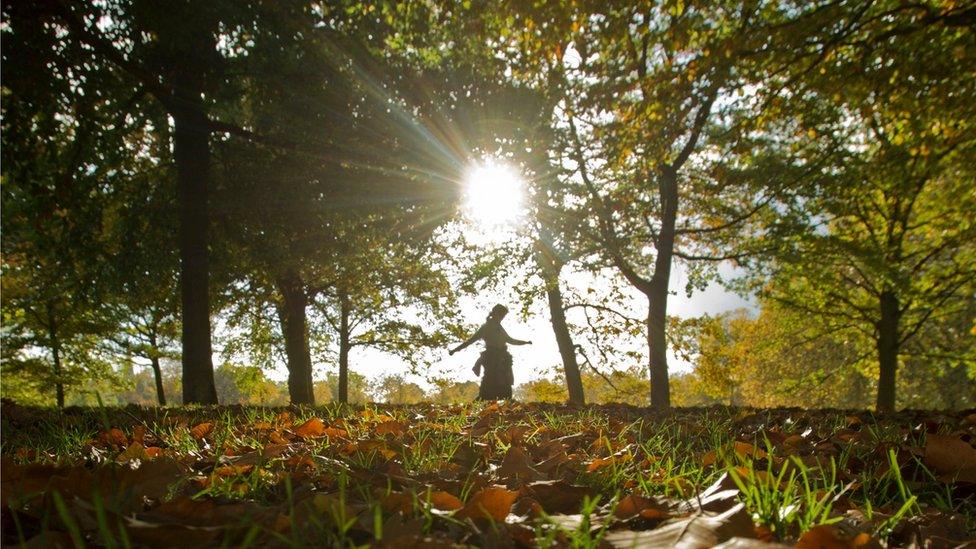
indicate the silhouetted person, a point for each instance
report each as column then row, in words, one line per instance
column 496, row 360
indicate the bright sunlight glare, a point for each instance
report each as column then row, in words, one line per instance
column 493, row 198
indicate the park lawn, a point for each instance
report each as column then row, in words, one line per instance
column 496, row 474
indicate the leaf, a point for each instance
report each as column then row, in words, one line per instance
column 517, row 465
column 445, row 501
column 557, row 496
column 702, row 529
column 391, row 428
column 951, row 457
column 139, row 434
column 113, row 437
column 744, row 450
column 205, row 512
column 134, row 451
column 333, row 432
column 622, row 456
column 201, row 430
column 399, row 501
column 836, row 536
column 647, row 508
column 405, row 501
column 493, row 503
column 312, row 428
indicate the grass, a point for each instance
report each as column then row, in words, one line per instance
column 793, row 470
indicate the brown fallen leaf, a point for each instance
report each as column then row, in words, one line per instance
column 744, row 450
column 648, row 508
column 276, row 438
column 402, row 502
column 391, row 428
column 953, row 458
column 700, row 530
column 514, row 435
column 517, row 466
column 557, row 496
column 232, row 470
column 836, row 536
column 623, row 456
column 741, row 449
column 201, row 430
column 444, row 501
column 312, row 428
column 493, row 503
column 139, row 434
column 206, row 512
column 135, row 451
column 113, row 437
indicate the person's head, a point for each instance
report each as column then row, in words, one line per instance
column 498, row 312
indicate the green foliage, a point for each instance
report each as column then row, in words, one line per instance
column 783, row 358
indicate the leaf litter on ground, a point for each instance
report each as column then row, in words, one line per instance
column 495, row 474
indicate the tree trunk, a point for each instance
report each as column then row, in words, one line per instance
column 887, row 351
column 157, row 371
column 557, row 317
column 191, row 150
column 657, row 307
column 294, row 326
column 55, row 343
column 188, row 56
column 343, row 347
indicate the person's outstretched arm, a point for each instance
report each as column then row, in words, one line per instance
column 470, row 340
column 512, row 341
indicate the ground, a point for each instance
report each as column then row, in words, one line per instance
column 497, row 474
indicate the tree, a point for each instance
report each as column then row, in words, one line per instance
column 395, row 389
column 387, row 295
column 785, row 357
column 878, row 240
column 641, row 89
column 52, row 195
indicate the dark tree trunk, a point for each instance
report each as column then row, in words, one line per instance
column 343, row 347
column 55, row 342
column 157, row 371
column 557, row 317
column 294, row 326
column 188, row 56
column 657, row 307
column 888, row 351
column 191, row 150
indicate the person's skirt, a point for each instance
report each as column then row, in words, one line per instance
column 498, row 379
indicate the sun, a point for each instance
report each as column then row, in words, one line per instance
column 493, row 197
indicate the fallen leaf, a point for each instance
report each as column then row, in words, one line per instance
column 312, row 428
column 139, row 434
column 134, row 451
column 201, row 430
column 836, row 536
column 114, row 437
column 493, row 503
column 951, row 457
column 634, row 505
column 557, row 496
column 517, row 465
column 445, row 501
column 700, row 530
column 276, row 438
column 391, row 428
column 744, row 450
column 620, row 457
